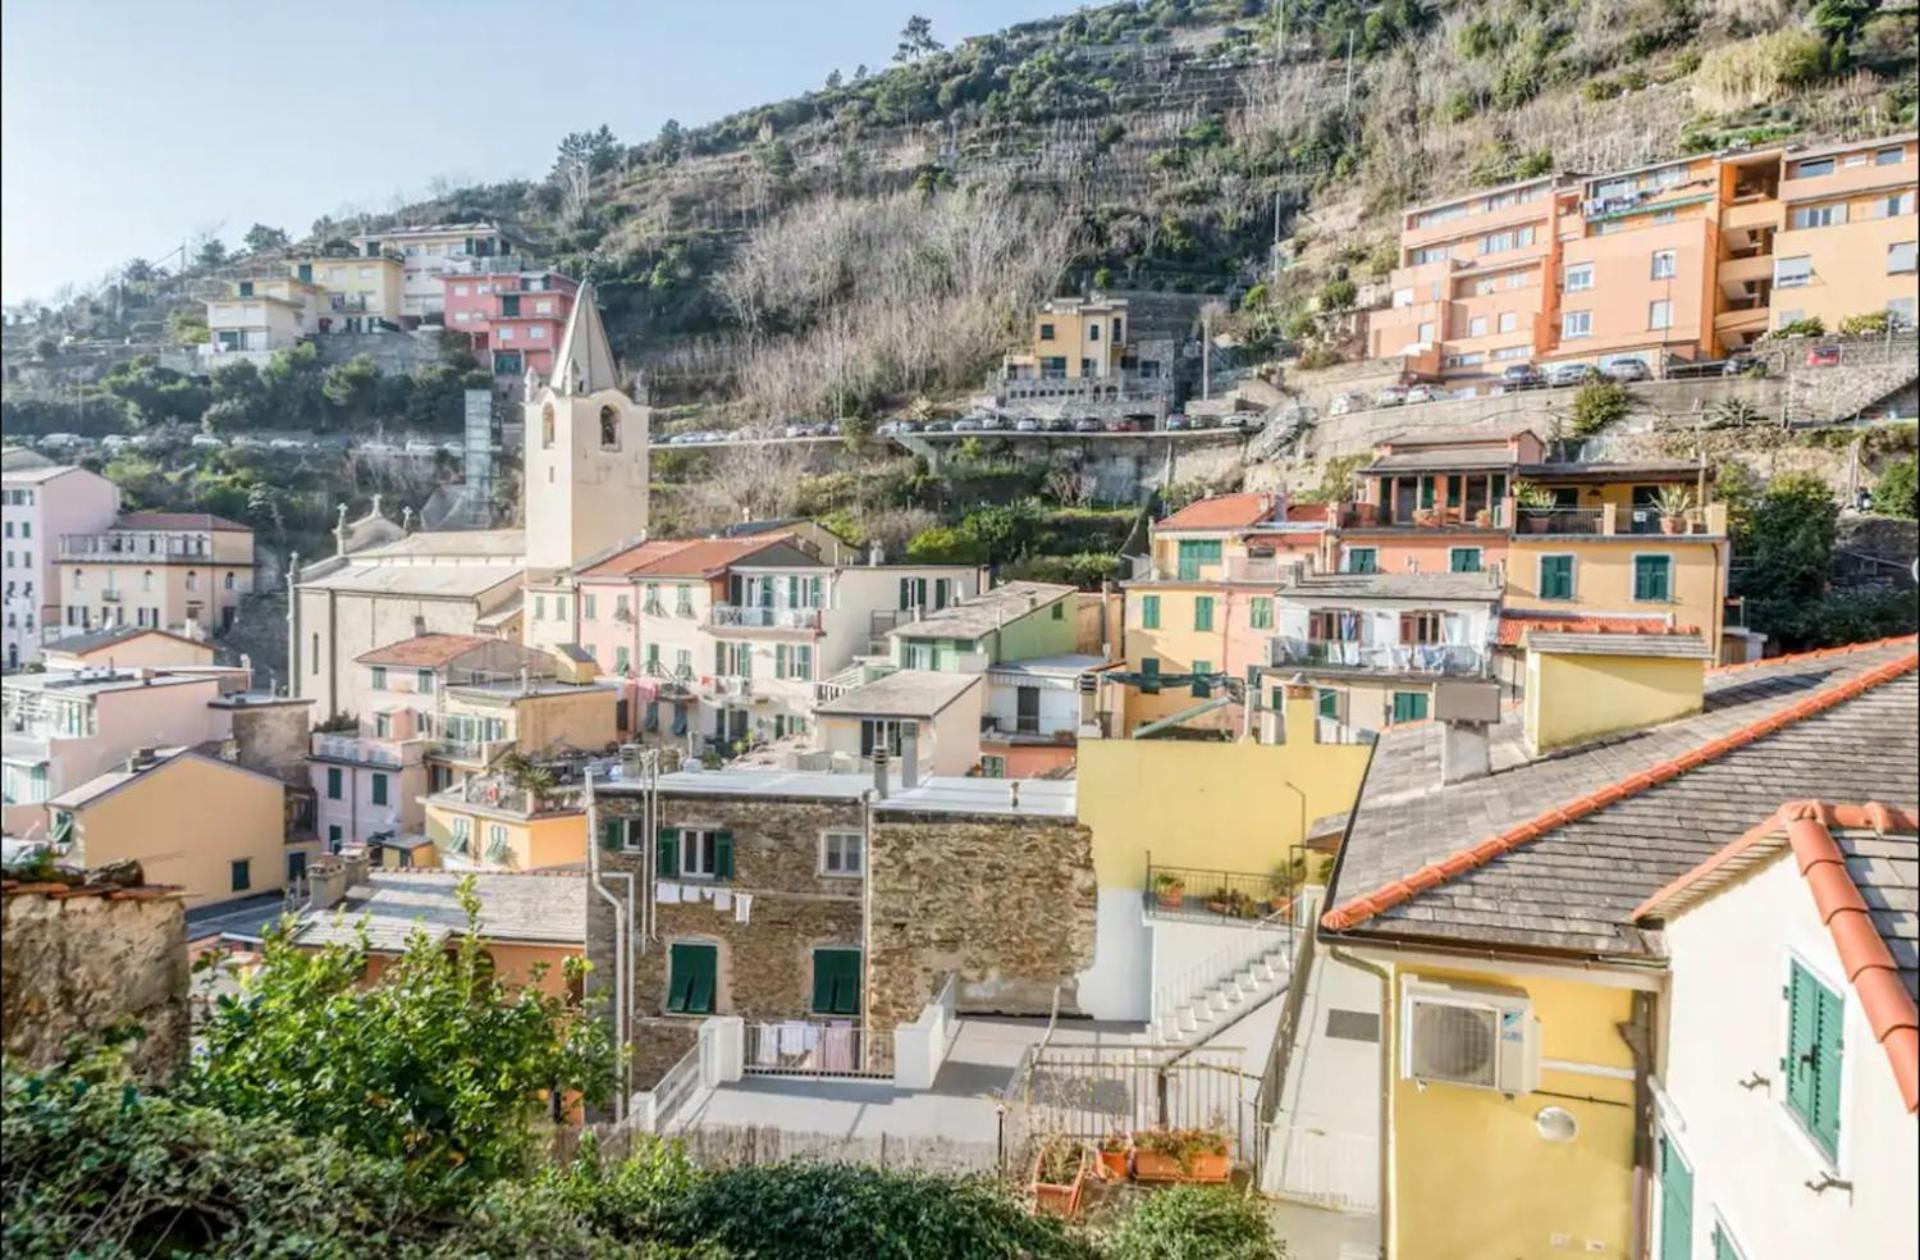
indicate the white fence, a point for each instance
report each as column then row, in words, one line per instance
column 921, row 1047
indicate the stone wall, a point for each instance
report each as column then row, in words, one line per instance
column 1006, row 903
column 78, row 959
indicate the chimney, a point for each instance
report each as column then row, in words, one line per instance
column 875, row 554
column 1465, row 751
column 880, row 773
column 356, row 864
column 419, row 625
column 143, row 758
column 909, row 755
column 326, row 883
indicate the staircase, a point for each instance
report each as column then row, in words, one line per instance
column 1871, row 369
column 1209, row 1008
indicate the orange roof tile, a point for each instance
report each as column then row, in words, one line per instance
column 1814, row 655
column 682, row 558
column 1514, row 626
column 424, row 651
column 1357, row 910
column 1223, row 511
column 1804, row 826
column 635, row 557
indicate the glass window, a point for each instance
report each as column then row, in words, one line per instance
column 423, row 681
column 1900, row 257
column 1362, row 560
column 1203, row 612
column 1653, row 579
column 1791, row 273
column 1464, row 560
column 242, row 874
column 334, row 781
column 379, row 789
column 1509, row 321
column 379, row 678
column 1150, row 612
column 1579, row 279
column 1888, row 157
column 1556, row 577
column 1576, row 324
column 692, row 973
column 1260, row 612
column 1664, row 264
column 1660, row 315
column 1812, row 167
column 1477, row 326
column 840, row 852
column 1820, row 216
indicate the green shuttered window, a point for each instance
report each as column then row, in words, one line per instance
column 692, row 975
column 1203, row 612
column 1653, row 579
column 1149, row 612
column 1676, row 1204
column 1556, row 577
column 836, row 981
column 1812, row 1065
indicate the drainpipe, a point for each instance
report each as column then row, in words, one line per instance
column 1388, row 1043
column 866, row 929
column 622, row 998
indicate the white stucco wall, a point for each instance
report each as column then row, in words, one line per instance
column 1751, row 1162
column 1119, row 985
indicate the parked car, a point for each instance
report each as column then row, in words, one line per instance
column 446, row 448
column 419, row 446
column 1628, row 370
column 796, row 431
column 937, row 426
column 1421, row 394
column 1087, row 424
column 1026, row 426
column 1391, row 396
column 1741, row 363
column 1561, row 375
column 366, row 448
column 1059, row 424
column 992, row 422
column 1824, row 357
column 203, row 440
column 113, row 441
column 1177, row 424
column 1521, row 376
column 1204, row 422
column 1344, row 404
column 295, row 444
column 830, row 429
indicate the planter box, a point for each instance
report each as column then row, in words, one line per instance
column 1059, row 1200
column 1171, row 898
column 1113, row 1165
column 1153, row 1166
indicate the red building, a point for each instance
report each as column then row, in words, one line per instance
column 514, row 316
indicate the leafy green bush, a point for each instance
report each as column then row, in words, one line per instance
column 1895, row 493
column 1194, row 1223
column 1869, row 324
column 1597, row 405
column 945, row 544
column 1812, row 326
column 1336, row 295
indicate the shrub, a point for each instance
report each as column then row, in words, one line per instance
column 1812, row 326
column 1194, row 1223
column 1894, row 494
column 1336, row 295
column 944, row 544
column 1597, row 405
column 1754, row 72
column 1870, row 324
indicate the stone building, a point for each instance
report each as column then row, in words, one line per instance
column 820, row 902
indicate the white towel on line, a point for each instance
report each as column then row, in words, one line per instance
column 743, row 907
column 723, row 899
column 667, row 894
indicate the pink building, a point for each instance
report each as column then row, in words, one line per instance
column 515, row 317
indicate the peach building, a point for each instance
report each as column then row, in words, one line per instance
column 180, row 571
column 1683, row 260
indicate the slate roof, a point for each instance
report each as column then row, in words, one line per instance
column 1861, row 864
column 907, row 693
column 94, row 640
column 1555, row 853
column 1604, row 643
column 985, row 612
column 538, row 908
column 1483, row 586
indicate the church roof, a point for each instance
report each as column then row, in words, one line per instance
column 585, row 363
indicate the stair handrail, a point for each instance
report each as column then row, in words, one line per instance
column 1220, row 965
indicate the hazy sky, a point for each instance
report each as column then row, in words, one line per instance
column 129, row 125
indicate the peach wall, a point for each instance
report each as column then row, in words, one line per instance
column 1624, row 289
column 1425, row 552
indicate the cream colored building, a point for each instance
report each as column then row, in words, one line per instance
column 214, row 828
column 1074, row 338
column 937, row 712
column 181, row 571
column 427, row 253
column 354, row 292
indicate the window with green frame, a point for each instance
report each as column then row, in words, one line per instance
column 1653, row 579
column 1464, row 560
column 1260, row 612
column 836, row 981
column 1202, row 688
column 379, row 789
column 1363, row 560
column 1150, row 669
column 1812, row 1062
column 1149, row 612
column 1556, row 577
column 1676, row 1204
column 1194, row 553
column 693, row 973
column 1724, row 1248
column 1327, row 703
column 242, row 873
column 335, row 783
column 1409, row 706
column 1203, row 612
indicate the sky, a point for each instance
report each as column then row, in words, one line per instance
column 130, row 126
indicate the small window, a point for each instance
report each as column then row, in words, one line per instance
column 1464, row 560
column 1409, row 706
column 1260, row 612
column 1812, row 1064
column 1202, row 683
column 1149, row 612
column 1046, row 332
column 423, row 681
column 334, row 783
column 242, row 874
column 1813, row 167
column 836, row 981
column 1576, row 324
column 379, row 789
column 1556, row 577
column 1653, row 579
column 1665, row 264
column 1792, row 273
column 1888, row 157
column 1659, row 315
column 1900, row 257
column 1363, row 560
column 695, row 853
column 379, row 682
column 1579, row 279
column 693, row 973
column 841, row 852
column 609, row 428
column 1059, row 610
column 1203, row 612
column 1326, row 703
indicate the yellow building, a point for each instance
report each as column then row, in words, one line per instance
column 214, row 828
column 1492, row 916
column 173, row 571
column 480, row 719
column 1074, row 339
column 490, row 823
column 1583, row 685
column 1846, row 235
column 356, row 294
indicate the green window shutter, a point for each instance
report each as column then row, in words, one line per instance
column 779, row 660
column 1203, row 612
column 1150, row 667
column 612, row 833
column 1676, row 1205
column 1723, row 1245
column 1150, row 612
column 667, row 853
column 1652, row 578
column 692, row 973
column 723, row 855
column 1409, row 706
column 379, row 789
column 1202, row 686
column 1464, row 560
column 1826, row 1074
column 1556, row 577
column 1329, row 703
column 836, row 981
column 1261, row 614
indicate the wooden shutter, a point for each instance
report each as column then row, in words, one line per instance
column 1831, row 1011
column 836, row 981
column 1803, row 1017
column 1676, row 1205
column 612, row 833
column 723, row 855
column 667, row 853
column 779, row 660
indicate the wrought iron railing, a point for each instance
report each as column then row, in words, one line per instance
column 1245, row 895
column 762, row 618
column 1562, row 520
column 1448, row 659
column 817, row 1047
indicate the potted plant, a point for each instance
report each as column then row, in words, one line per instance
column 1181, row 1155
column 1535, row 502
column 1483, row 519
column 1059, row 1175
column 1284, row 879
column 1113, row 1153
column 1426, row 517
column 1220, row 901
column 1673, row 503
column 1169, row 891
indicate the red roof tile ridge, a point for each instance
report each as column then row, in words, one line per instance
column 1814, row 655
column 1357, row 910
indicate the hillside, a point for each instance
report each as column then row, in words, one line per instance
column 879, row 238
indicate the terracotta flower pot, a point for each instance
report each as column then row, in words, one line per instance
column 1055, row 1199
column 1172, row 897
column 1113, row 1164
column 1673, row 524
column 1155, row 1166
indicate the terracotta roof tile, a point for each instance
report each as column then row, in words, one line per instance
column 423, row 651
column 1514, row 626
column 1224, row 511
column 663, row 558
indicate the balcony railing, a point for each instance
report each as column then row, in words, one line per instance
column 473, row 752
column 1245, row 895
column 110, row 597
column 848, row 679
column 1562, row 520
column 728, row 685
column 1030, row 728
column 755, row 617
column 1448, row 659
column 133, row 547
column 816, row 1047
column 368, row 752
column 497, row 793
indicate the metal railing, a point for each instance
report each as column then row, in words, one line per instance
column 816, row 1047
column 847, row 680
column 1243, row 895
column 1446, row 659
column 1273, row 936
column 482, row 752
column 129, row 547
column 737, row 685
column 1559, row 520
column 1092, row 1092
column 371, row 752
column 762, row 618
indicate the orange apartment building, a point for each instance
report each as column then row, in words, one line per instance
column 1683, row 260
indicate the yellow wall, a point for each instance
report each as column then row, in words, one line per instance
column 1232, row 811
column 1176, row 644
column 1472, row 1178
column 580, row 720
column 186, row 822
column 1574, row 698
column 1603, row 577
column 543, row 840
column 1850, row 274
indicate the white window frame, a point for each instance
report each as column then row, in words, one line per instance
column 1784, row 279
column 1912, row 249
column 834, row 849
column 1666, row 264
column 1660, row 314
column 1579, row 278
column 1570, row 331
column 698, row 843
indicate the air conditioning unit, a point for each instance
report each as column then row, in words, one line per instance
column 1480, row 1036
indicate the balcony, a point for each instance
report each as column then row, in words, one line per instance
column 1190, row 893
column 848, row 679
column 1759, row 212
column 110, row 596
column 1253, row 569
column 756, row 617
column 1369, row 516
column 471, row 752
column 1562, row 521
column 1612, row 521
column 1444, row 660
column 1751, row 321
column 727, row 686
column 1027, row 728
column 496, row 793
column 133, row 548
column 361, row 751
